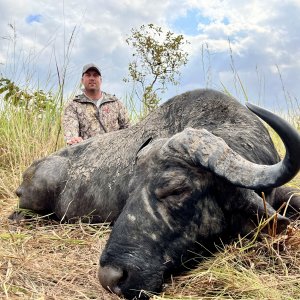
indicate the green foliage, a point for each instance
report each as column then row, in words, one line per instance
column 32, row 101
column 157, row 59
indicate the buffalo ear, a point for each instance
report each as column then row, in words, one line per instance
column 145, row 144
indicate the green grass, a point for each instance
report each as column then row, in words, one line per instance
column 24, row 137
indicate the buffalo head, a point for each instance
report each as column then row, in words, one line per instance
column 42, row 183
column 186, row 191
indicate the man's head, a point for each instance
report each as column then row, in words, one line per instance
column 90, row 67
column 91, row 78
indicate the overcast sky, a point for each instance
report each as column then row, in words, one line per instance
column 259, row 38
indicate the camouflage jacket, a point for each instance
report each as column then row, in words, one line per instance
column 82, row 118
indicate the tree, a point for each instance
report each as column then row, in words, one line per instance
column 36, row 101
column 157, row 58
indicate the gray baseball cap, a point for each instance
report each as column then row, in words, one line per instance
column 91, row 66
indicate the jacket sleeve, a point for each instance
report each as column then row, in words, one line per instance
column 70, row 122
column 124, row 121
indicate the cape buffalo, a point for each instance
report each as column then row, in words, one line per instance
column 196, row 185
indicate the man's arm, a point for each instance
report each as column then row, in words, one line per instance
column 124, row 121
column 70, row 124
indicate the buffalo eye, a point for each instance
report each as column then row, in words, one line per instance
column 177, row 188
column 176, row 192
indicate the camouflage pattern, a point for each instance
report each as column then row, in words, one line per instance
column 82, row 117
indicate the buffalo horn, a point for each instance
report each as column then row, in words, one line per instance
column 202, row 148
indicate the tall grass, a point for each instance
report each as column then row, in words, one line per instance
column 25, row 136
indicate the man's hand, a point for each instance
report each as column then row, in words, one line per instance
column 74, row 140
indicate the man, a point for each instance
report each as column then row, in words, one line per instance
column 94, row 111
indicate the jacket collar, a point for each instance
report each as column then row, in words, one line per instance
column 82, row 98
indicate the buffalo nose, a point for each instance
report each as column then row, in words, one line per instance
column 18, row 192
column 110, row 277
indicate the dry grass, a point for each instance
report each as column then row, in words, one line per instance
column 46, row 260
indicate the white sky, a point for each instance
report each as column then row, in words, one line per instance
column 264, row 38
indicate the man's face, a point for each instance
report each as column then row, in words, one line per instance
column 91, row 80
